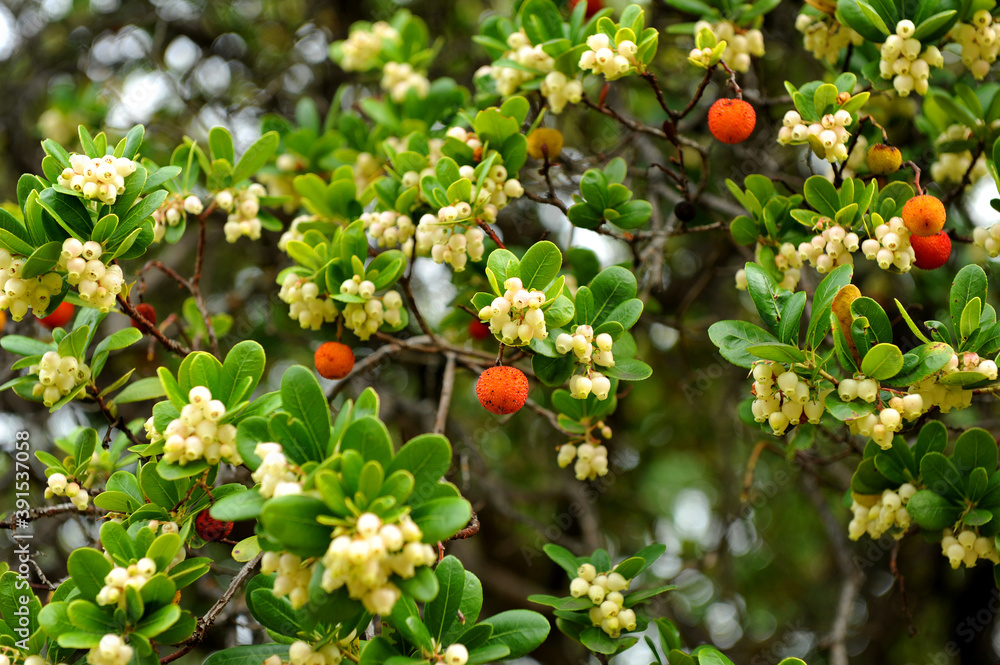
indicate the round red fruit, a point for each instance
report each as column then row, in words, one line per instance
column 502, row 390
column 147, row 311
column 211, row 529
column 334, row 360
column 731, row 120
column 478, row 330
column 62, row 315
column 593, row 6
column 931, row 252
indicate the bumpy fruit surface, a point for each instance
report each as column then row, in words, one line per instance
column 148, row 311
column 502, row 390
column 334, row 360
column 924, row 215
column 211, row 529
column 883, row 159
column 932, row 252
column 478, row 330
column 62, row 315
column 545, row 142
column 731, row 120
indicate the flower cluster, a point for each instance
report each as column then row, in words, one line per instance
column 885, row 514
column 988, row 238
column 880, row 427
column 948, row 397
column 172, row 211
column 390, row 229
column 591, row 460
column 560, row 90
column 603, row 58
column 582, row 343
column 516, row 317
column 783, row 398
column 449, row 242
column 58, row 376
column 362, row 47
column 890, row 247
column 115, row 582
column 831, row 248
column 825, row 37
column 979, row 41
column 968, row 547
column 197, row 434
column 399, row 78
column 111, row 650
column 292, row 579
column 275, row 475
column 59, row 485
column 98, row 178
column 509, row 79
column 365, row 318
column 293, row 232
column 243, row 206
column 364, row 558
column 19, row 294
column 952, row 166
column 305, row 304
column 605, row 591
column 97, row 283
column 831, row 131
column 906, row 61
column 740, row 46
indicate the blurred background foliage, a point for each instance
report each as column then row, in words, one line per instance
column 750, row 554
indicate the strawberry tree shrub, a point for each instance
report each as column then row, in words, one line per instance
column 514, row 235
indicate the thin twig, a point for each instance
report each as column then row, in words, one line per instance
column 488, row 230
column 206, row 621
column 33, row 514
column 171, row 345
column 447, row 385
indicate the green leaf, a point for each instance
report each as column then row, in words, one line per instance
column 976, row 447
column 883, row 361
column 141, row 391
column 88, row 568
column 522, row 631
column 733, row 338
column 220, row 144
column 423, row 586
column 932, row 511
column 819, row 318
column 427, row 457
column 439, row 519
column 256, row 156
column 238, row 506
column 968, row 284
column 540, row 265
column 291, row 520
column 303, row 398
column 442, row 612
column 941, row 476
column 251, row 654
column 784, row 353
column 764, row 292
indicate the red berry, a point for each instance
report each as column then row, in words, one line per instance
column 731, row 120
column 334, row 360
column 593, row 6
column 147, row 311
column 924, row 215
column 478, row 330
column 211, row 529
column 502, row 389
column 62, row 315
column 931, row 252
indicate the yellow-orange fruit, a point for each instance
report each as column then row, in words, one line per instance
column 334, row 360
column 545, row 142
column 883, row 159
column 502, row 389
column 924, row 215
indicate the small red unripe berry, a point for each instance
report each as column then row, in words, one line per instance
column 731, row 120
column 62, row 315
column 924, row 215
column 502, row 389
column 211, row 529
column 148, row 311
column 478, row 330
column 334, row 360
column 931, row 252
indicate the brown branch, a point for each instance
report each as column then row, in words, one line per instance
column 413, row 306
column 447, row 385
column 199, row 298
column 206, row 621
column 894, row 567
column 469, row 531
column 490, row 232
column 49, row 511
column 114, row 421
column 171, row 345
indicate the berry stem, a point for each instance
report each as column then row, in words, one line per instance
column 500, row 355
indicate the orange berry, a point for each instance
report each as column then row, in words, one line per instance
column 924, row 215
column 502, row 389
column 545, row 142
column 148, row 311
column 731, row 120
column 478, row 330
column 883, row 159
column 62, row 315
column 931, row 252
column 334, row 360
